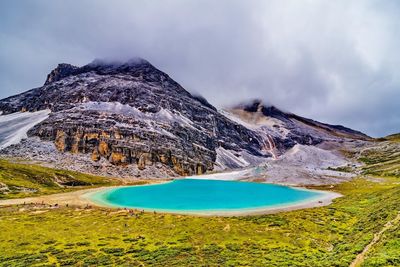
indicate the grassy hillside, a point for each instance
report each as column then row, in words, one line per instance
column 24, row 180
column 326, row 236
column 382, row 160
column 393, row 137
column 386, row 251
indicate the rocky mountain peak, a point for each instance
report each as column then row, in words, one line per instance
column 300, row 129
column 110, row 66
column 112, row 63
column 251, row 106
column 134, row 67
column 131, row 113
column 61, row 71
column 258, row 106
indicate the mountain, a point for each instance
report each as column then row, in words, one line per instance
column 393, row 137
column 287, row 129
column 131, row 113
column 131, row 119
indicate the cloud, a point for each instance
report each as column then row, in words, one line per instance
column 334, row 61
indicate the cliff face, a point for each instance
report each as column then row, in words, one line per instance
column 132, row 113
column 63, row 70
column 285, row 129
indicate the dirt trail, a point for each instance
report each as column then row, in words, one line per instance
column 360, row 257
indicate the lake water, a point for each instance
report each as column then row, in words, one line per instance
column 192, row 195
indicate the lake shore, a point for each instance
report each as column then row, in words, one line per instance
column 84, row 198
column 324, row 199
column 74, row 198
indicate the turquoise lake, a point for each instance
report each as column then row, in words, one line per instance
column 191, row 195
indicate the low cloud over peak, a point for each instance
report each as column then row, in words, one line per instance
column 334, row 61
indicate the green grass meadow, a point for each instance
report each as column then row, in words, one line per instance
column 77, row 236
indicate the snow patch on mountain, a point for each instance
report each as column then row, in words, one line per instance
column 260, row 123
column 163, row 115
column 14, row 127
column 111, row 107
column 227, row 159
column 314, row 157
column 230, row 159
column 303, row 165
column 224, row 176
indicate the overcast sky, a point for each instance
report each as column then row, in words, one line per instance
column 333, row 61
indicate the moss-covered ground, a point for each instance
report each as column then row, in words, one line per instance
column 383, row 159
column 18, row 179
column 387, row 251
column 325, row 236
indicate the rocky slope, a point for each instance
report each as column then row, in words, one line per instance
column 130, row 119
column 132, row 113
column 287, row 129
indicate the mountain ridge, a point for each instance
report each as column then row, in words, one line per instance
column 257, row 105
column 131, row 113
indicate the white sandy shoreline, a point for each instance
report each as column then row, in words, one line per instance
column 324, row 199
column 84, row 198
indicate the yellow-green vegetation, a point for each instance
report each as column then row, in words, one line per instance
column 35, row 235
column 387, row 251
column 24, row 180
column 393, row 137
column 325, row 236
column 341, row 169
column 382, row 160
